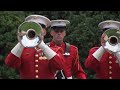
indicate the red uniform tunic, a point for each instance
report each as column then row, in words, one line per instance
column 72, row 62
column 106, row 68
column 33, row 63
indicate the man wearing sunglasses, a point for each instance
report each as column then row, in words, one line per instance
column 58, row 32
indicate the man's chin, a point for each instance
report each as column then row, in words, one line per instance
column 59, row 40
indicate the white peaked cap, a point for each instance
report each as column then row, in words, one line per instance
column 38, row 19
column 59, row 23
column 109, row 24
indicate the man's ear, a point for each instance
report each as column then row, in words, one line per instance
column 51, row 33
column 44, row 32
column 65, row 33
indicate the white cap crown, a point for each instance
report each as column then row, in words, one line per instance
column 111, row 24
column 59, row 23
column 38, row 19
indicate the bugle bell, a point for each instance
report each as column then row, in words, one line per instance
column 110, row 40
column 28, row 34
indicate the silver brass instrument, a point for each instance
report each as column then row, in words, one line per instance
column 110, row 40
column 28, row 34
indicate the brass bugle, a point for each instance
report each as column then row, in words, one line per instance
column 28, row 34
column 110, row 40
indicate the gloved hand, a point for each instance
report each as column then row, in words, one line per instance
column 69, row 77
column 117, row 55
column 17, row 50
column 98, row 54
column 49, row 53
column 112, row 48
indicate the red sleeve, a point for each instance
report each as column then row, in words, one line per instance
column 91, row 62
column 77, row 68
column 12, row 61
column 57, row 62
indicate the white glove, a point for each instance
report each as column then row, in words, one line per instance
column 17, row 50
column 49, row 53
column 117, row 55
column 69, row 77
column 98, row 54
